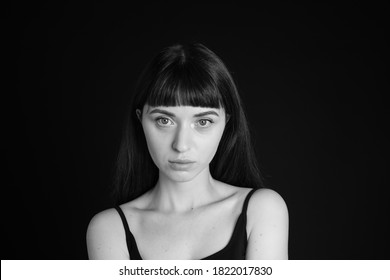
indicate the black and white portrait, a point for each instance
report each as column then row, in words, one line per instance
column 159, row 131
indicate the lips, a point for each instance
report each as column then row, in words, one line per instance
column 181, row 161
column 181, row 164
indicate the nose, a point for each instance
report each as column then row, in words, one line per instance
column 182, row 140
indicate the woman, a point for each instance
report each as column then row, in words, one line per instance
column 187, row 178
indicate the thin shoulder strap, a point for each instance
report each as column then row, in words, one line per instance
column 130, row 240
column 246, row 202
column 124, row 221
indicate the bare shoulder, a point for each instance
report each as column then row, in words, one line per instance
column 106, row 237
column 267, row 226
column 266, row 200
column 104, row 220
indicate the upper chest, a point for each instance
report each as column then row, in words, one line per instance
column 192, row 235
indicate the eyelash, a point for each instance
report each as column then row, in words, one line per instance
column 158, row 121
column 207, row 120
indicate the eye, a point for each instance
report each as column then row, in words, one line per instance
column 164, row 121
column 204, row 123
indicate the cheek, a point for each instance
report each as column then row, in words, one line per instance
column 210, row 146
column 155, row 144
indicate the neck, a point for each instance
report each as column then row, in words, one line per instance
column 180, row 197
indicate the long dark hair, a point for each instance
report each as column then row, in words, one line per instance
column 187, row 75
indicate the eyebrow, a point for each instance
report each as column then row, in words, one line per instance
column 155, row 111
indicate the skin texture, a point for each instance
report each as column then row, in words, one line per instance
column 188, row 214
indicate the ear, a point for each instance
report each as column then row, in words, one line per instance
column 139, row 114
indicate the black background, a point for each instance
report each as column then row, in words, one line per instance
column 312, row 78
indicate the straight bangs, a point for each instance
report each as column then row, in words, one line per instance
column 182, row 87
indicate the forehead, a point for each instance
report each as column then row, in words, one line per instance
column 182, row 110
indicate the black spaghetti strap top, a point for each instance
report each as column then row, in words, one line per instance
column 234, row 250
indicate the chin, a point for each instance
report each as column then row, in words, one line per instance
column 180, row 176
column 184, row 177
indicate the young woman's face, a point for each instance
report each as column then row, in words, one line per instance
column 182, row 140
